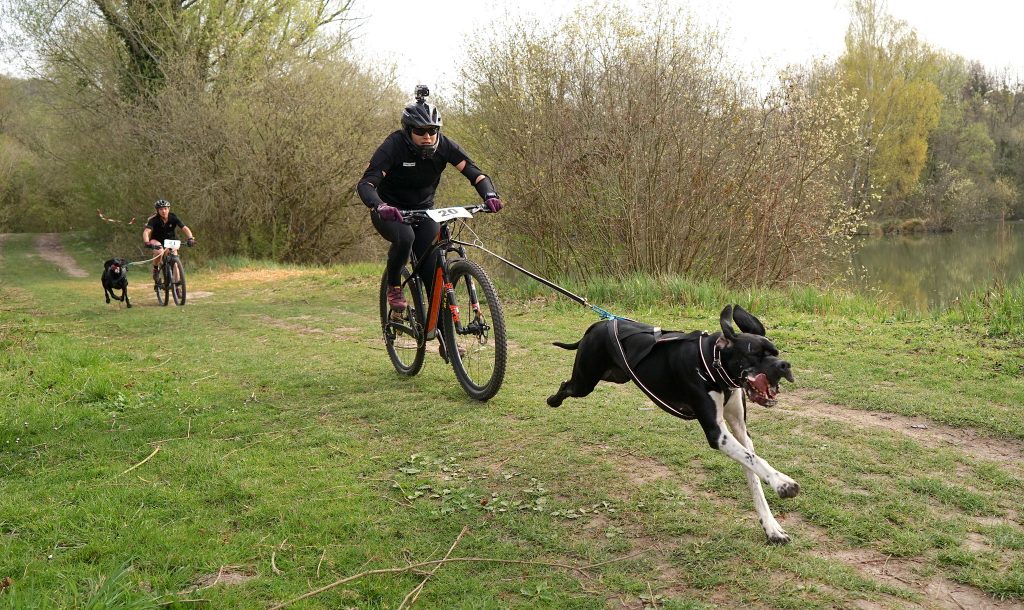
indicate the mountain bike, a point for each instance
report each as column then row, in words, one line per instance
column 463, row 304
column 171, row 276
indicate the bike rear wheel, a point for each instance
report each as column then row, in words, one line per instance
column 163, row 287
column 177, row 275
column 403, row 331
column 475, row 336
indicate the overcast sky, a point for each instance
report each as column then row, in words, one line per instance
column 423, row 38
column 779, row 32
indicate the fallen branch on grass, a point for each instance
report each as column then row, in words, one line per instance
column 142, row 462
column 437, row 562
column 415, row 593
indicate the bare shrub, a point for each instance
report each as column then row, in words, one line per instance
column 268, row 168
column 623, row 145
column 263, row 165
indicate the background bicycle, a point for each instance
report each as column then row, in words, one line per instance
column 171, row 275
column 463, row 304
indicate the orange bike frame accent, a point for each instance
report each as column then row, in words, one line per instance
column 434, row 311
column 435, row 302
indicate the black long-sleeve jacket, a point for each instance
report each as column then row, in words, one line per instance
column 398, row 176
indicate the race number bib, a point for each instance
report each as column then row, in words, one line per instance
column 443, row 214
column 172, row 243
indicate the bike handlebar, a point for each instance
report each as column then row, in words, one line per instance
column 411, row 215
column 159, row 247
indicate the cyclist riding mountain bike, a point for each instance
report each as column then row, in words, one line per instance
column 403, row 174
column 160, row 226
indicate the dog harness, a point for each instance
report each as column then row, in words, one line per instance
column 635, row 341
column 722, row 378
column 640, row 340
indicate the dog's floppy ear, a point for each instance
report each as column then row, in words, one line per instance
column 747, row 322
column 728, row 334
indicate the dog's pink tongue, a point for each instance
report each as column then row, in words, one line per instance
column 760, row 383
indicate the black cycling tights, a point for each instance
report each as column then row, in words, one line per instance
column 405, row 238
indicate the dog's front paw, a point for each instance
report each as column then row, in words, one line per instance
column 554, row 401
column 129, row 305
column 779, row 537
column 788, row 489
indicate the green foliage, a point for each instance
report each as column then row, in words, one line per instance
column 891, row 73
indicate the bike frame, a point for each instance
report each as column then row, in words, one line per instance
column 169, row 257
column 442, row 242
column 442, row 279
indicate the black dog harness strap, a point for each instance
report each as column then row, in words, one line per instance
column 614, row 328
column 716, row 371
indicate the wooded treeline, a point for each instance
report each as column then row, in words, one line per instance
column 623, row 142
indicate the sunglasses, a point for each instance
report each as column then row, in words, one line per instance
column 425, row 131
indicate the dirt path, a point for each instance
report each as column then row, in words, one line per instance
column 909, row 573
column 49, row 248
column 1007, row 453
column 912, row 574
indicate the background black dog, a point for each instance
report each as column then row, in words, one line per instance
column 694, row 376
column 115, row 276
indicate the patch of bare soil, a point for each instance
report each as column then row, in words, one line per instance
column 937, row 592
column 901, row 573
column 261, row 275
column 637, row 469
column 50, row 249
column 1006, row 453
column 227, row 575
column 199, row 294
column 294, row 325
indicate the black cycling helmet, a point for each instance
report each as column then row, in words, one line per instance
column 421, row 114
column 161, row 203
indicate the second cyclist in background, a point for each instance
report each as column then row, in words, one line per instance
column 403, row 174
column 160, row 226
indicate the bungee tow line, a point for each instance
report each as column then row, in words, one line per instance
column 141, row 262
column 603, row 313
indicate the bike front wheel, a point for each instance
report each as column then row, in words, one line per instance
column 163, row 286
column 474, row 331
column 177, row 276
column 403, row 331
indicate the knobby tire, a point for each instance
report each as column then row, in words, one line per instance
column 405, row 349
column 163, row 291
column 479, row 353
column 176, row 270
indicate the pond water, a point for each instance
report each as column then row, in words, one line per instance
column 931, row 270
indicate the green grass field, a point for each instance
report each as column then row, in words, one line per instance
column 256, row 446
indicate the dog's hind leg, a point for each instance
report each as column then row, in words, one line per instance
column 124, row 295
column 587, row 371
column 575, row 387
column 737, row 422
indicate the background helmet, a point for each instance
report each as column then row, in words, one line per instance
column 161, row 203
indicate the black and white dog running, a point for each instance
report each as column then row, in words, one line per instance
column 707, row 377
